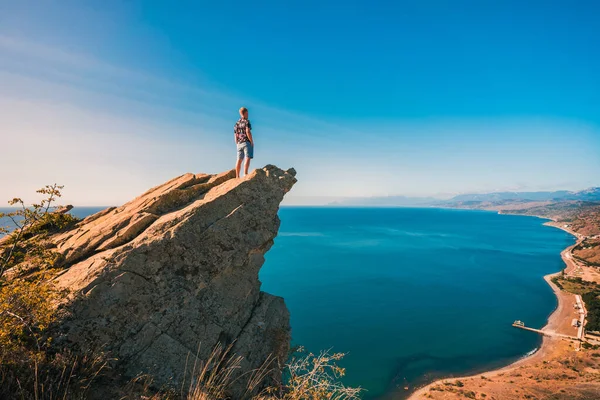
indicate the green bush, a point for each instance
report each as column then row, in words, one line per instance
column 28, row 305
column 592, row 304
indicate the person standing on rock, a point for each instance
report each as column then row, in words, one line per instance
column 242, row 132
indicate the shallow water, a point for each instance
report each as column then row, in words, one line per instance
column 413, row 294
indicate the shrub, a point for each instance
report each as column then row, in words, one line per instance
column 28, row 305
column 25, row 246
column 592, row 304
column 315, row 377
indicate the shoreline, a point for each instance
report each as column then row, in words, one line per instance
column 552, row 322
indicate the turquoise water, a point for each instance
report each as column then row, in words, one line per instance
column 413, row 294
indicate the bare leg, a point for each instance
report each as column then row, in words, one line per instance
column 247, row 165
column 238, row 166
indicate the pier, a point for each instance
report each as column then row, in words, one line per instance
column 521, row 325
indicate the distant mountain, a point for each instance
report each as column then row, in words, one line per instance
column 592, row 194
column 466, row 200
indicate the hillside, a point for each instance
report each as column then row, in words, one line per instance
column 479, row 201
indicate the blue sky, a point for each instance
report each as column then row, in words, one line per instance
column 362, row 98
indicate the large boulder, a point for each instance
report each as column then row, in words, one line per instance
column 167, row 276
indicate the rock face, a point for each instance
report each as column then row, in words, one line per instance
column 174, row 271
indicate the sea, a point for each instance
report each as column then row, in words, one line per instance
column 411, row 295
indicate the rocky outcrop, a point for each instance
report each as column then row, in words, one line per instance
column 174, row 271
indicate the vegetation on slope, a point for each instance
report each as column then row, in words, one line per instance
column 590, row 294
column 27, row 305
column 592, row 304
column 588, row 252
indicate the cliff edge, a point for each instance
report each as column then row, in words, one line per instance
column 167, row 276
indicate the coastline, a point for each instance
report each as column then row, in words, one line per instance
column 553, row 322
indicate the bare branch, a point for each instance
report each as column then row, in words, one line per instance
column 5, row 262
column 25, row 324
column 53, row 192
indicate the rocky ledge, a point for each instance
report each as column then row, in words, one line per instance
column 164, row 278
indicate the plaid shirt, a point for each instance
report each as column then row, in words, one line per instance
column 240, row 130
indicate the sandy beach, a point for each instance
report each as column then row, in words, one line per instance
column 559, row 321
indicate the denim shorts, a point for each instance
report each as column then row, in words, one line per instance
column 245, row 150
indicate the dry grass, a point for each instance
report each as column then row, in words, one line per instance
column 60, row 377
column 307, row 377
column 211, row 379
